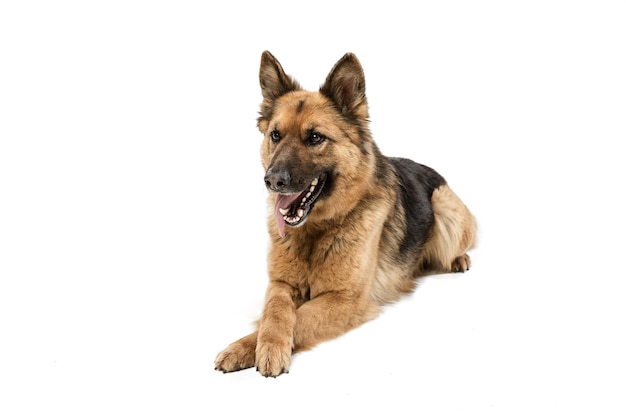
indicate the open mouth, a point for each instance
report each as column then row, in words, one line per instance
column 293, row 209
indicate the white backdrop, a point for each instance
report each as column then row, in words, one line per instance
column 132, row 206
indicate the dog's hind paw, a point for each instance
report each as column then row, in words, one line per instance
column 461, row 264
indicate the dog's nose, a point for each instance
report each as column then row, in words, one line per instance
column 277, row 180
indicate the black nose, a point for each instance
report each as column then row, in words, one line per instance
column 277, row 180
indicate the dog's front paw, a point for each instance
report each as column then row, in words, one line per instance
column 237, row 356
column 273, row 359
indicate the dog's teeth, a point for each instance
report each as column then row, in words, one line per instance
column 303, row 199
column 283, row 211
column 308, row 195
column 300, row 212
column 314, row 183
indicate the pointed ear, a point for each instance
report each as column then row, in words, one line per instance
column 274, row 81
column 345, row 85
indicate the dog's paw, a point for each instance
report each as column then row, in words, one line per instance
column 237, row 356
column 461, row 264
column 273, row 359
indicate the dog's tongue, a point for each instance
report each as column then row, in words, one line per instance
column 283, row 201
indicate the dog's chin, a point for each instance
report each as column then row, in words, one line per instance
column 294, row 209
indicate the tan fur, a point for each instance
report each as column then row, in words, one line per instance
column 453, row 233
column 335, row 271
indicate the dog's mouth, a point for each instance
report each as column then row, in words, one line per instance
column 294, row 209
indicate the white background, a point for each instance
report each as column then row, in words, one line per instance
column 132, row 206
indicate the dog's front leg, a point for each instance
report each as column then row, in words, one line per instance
column 330, row 315
column 238, row 355
column 275, row 336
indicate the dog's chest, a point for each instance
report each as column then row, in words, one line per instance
column 314, row 249
column 324, row 262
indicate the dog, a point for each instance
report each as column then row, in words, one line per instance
column 350, row 229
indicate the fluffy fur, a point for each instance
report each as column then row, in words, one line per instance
column 350, row 228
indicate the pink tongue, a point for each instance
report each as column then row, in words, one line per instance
column 283, row 201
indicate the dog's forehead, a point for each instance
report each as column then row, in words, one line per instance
column 298, row 101
column 296, row 109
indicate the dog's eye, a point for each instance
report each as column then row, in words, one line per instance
column 275, row 136
column 315, row 138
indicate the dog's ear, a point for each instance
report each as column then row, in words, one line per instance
column 345, row 85
column 274, row 81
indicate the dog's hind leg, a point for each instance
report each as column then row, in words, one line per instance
column 452, row 235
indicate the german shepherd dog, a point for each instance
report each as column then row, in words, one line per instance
column 350, row 228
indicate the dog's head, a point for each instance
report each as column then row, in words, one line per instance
column 317, row 149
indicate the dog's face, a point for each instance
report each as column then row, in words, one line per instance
column 316, row 144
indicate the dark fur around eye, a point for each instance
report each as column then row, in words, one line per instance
column 275, row 136
column 315, row 138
